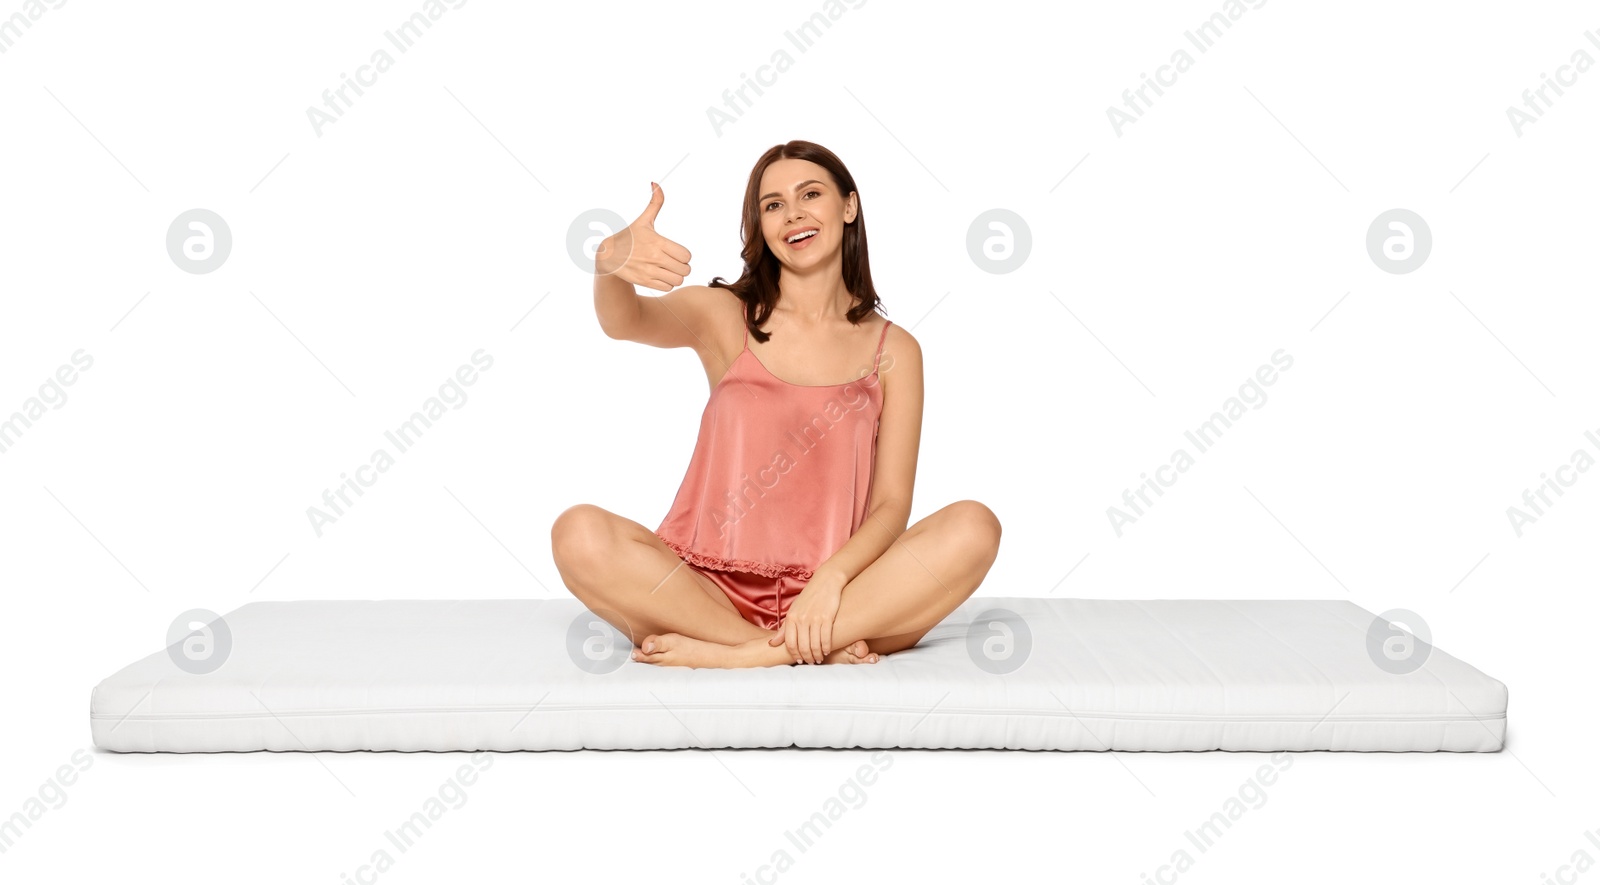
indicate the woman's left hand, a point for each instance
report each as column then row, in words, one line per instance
column 807, row 627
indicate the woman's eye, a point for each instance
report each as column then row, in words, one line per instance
column 808, row 194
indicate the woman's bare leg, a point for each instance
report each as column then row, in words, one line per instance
column 924, row 576
column 928, row 571
column 623, row 572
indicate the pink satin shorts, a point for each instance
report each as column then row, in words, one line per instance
column 759, row 599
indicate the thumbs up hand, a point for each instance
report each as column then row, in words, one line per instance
column 641, row 256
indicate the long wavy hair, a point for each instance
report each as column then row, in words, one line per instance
column 757, row 285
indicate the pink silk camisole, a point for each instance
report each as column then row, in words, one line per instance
column 781, row 473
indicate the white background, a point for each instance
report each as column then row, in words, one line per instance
column 371, row 260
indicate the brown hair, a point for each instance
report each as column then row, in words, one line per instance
column 757, row 285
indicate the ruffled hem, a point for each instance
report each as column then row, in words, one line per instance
column 765, row 569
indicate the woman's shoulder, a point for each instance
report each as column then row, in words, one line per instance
column 722, row 315
column 718, row 307
column 900, row 348
column 898, row 336
column 710, row 297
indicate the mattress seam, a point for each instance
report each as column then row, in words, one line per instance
column 917, row 711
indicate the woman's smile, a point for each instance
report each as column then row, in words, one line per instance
column 798, row 237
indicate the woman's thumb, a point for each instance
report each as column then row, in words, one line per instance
column 657, row 197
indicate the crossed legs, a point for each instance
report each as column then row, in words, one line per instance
column 627, row 576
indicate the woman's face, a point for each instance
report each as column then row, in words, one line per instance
column 799, row 196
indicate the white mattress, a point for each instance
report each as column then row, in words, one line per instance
column 1095, row 675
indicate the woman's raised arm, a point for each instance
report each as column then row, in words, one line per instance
column 637, row 255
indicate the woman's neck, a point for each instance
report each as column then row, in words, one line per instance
column 814, row 299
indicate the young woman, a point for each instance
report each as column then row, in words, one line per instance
column 787, row 541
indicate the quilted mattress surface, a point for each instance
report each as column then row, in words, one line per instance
column 1000, row 672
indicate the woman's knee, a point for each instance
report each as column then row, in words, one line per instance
column 582, row 536
column 975, row 523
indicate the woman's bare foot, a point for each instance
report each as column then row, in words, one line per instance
column 854, row 653
column 677, row 650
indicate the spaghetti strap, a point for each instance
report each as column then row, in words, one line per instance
column 881, row 336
